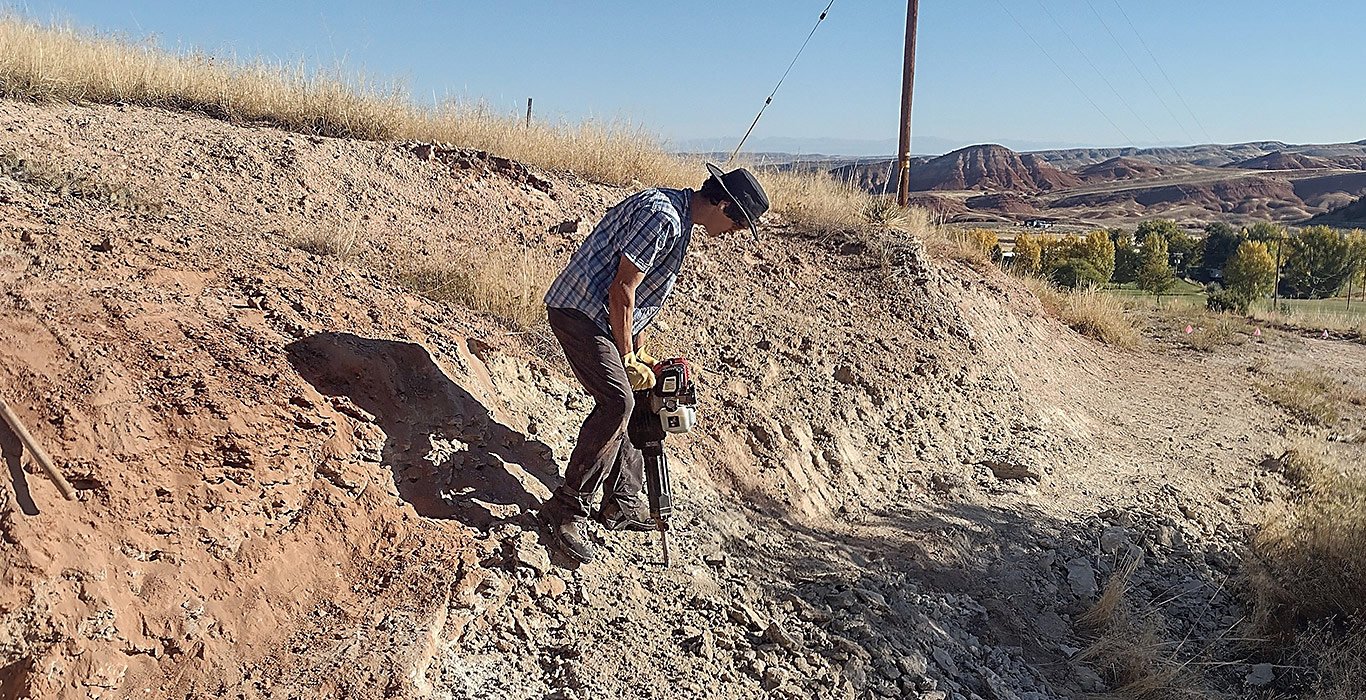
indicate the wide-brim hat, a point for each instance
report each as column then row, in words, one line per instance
column 745, row 192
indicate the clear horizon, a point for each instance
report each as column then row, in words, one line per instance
column 1069, row 74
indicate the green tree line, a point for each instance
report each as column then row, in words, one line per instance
column 1240, row 265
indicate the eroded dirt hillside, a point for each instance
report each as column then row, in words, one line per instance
column 300, row 479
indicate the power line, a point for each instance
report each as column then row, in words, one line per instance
column 1162, row 70
column 769, row 99
column 1179, row 124
column 1064, row 72
column 1098, row 71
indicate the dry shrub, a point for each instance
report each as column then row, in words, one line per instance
column 1338, row 660
column 892, row 230
column 1088, row 311
column 1132, row 649
column 1217, row 331
column 822, row 204
column 506, row 283
column 1315, row 397
column 1310, row 555
column 972, row 246
column 342, row 240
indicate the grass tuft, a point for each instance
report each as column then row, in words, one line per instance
column 1314, row 397
column 1090, row 312
column 1215, row 331
column 1132, row 649
column 503, row 282
column 1310, row 555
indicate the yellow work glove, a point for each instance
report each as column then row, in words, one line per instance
column 640, row 374
column 645, row 358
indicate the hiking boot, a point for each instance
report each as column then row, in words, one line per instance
column 614, row 517
column 569, row 535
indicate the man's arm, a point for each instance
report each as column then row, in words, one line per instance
column 621, row 303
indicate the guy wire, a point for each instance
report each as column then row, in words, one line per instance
column 769, row 99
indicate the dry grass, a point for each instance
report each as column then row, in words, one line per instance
column 1132, row 648
column 1315, row 397
column 1090, row 312
column 1311, row 553
column 973, row 246
column 503, row 282
column 1339, row 662
column 1215, row 331
column 39, row 62
column 343, row 240
column 1107, row 607
column 1352, row 325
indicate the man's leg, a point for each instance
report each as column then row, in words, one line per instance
column 623, row 507
column 597, row 365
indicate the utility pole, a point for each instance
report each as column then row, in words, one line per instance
column 1276, row 288
column 903, row 190
column 528, row 112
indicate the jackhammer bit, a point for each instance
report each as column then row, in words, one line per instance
column 658, row 491
column 670, row 407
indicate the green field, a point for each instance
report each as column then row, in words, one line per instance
column 1332, row 314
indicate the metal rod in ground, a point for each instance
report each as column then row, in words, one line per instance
column 903, row 190
column 37, row 451
column 664, row 540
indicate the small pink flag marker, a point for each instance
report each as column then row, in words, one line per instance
column 1257, row 332
column 1325, row 334
column 1189, row 329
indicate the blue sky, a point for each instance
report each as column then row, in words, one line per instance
column 1026, row 73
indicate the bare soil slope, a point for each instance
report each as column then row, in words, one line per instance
column 299, row 479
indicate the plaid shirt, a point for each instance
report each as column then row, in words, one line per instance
column 652, row 228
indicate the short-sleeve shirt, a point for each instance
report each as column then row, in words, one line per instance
column 652, row 229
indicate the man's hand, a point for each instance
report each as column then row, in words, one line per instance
column 640, row 374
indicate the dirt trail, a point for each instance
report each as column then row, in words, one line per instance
column 299, row 480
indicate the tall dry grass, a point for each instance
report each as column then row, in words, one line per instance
column 1311, row 552
column 40, row 62
column 507, row 283
column 1341, row 322
column 1133, row 648
column 1090, row 311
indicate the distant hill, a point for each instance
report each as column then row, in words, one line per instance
column 1250, row 196
column 1003, row 202
column 1112, row 186
column 1353, row 214
column 1280, row 160
column 1120, row 168
column 990, row 167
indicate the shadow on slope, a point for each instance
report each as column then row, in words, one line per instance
column 12, row 451
column 450, row 458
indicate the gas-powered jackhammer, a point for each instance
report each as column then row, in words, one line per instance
column 670, row 407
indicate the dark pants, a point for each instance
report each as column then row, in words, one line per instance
column 603, row 455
